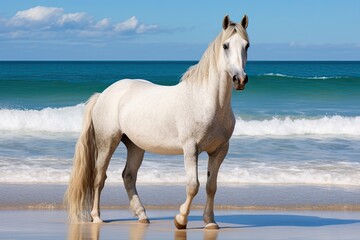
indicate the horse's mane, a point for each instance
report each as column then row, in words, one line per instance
column 201, row 71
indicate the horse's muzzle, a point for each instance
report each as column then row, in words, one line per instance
column 240, row 81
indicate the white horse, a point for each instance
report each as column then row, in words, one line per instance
column 188, row 118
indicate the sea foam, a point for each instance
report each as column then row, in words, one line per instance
column 156, row 172
column 68, row 119
column 334, row 125
column 302, row 77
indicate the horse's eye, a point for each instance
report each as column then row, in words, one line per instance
column 226, row 46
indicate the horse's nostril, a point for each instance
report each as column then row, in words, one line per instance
column 235, row 78
column 246, row 79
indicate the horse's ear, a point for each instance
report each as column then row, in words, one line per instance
column 244, row 22
column 226, row 22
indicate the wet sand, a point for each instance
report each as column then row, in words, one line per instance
column 241, row 197
column 235, row 224
column 35, row 211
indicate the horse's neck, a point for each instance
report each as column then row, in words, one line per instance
column 220, row 89
column 213, row 87
column 213, row 94
column 218, row 82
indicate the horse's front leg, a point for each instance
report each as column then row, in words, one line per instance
column 215, row 160
column 192, row 187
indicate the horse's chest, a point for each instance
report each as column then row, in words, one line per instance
column 216, row 133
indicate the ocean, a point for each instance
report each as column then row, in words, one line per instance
column 297, row 123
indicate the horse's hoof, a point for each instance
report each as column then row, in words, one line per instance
column 212, row 226
column 145, row 221
column 178, row 225
column 97, row 220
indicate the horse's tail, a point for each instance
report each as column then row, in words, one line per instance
column 80, row 192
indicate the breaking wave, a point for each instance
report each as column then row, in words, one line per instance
column 302, row 77
column 68, row 119
column 335, row 125
column 160, row 172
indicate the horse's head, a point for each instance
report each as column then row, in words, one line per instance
column 233, row 51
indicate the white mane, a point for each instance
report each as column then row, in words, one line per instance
column 201, row 71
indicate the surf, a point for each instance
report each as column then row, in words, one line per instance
column 288, row 126
column 302, row 77
column 68, row 120
column 155, row 171
column 64, row 119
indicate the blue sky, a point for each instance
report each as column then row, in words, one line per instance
column 176, row 30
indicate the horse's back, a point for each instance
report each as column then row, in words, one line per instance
column 143, row 111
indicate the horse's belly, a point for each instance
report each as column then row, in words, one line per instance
column 155, row 144
column 155, row 133
column 163, row 149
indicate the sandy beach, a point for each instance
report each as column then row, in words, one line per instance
column 51, row 224
column 35, row 211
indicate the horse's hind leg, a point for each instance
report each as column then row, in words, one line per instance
column 134, row 159
column 215, row 160
column 106, row 146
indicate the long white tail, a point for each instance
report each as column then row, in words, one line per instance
column 80, row 192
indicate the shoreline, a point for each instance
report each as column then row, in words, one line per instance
column 158, row 197
column 295, row 208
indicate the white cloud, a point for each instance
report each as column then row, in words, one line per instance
column 102, row 24
column 37, row 14
column 73, row 18
column 146, row 28
column 47, row 22
column 132, row 25
column 128, row 25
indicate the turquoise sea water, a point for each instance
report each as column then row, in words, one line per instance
column 297, row 122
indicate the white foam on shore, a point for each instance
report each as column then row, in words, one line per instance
column 334, row 174
column 334, row 125
column 68, row 119
column 65, row 119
